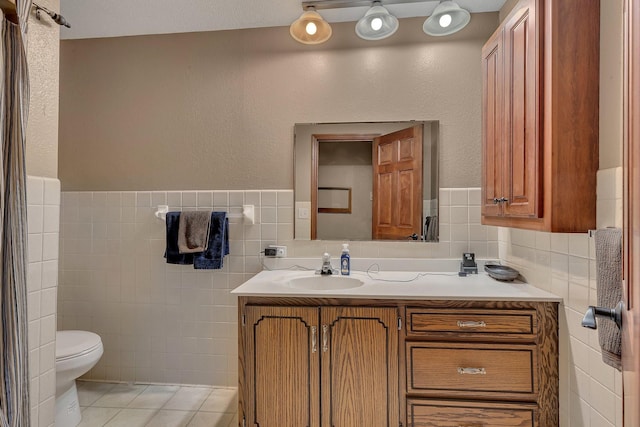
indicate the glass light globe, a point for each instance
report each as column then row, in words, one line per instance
column 445, row 20
column 311, row 28
column 376, row 24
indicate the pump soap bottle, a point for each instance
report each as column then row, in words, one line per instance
column 345, row 260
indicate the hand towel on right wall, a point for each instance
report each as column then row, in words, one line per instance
column 609, row 285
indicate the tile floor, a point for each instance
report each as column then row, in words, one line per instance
column 133, row 405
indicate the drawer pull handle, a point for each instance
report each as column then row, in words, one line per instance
column 472, row 371
column 325, row 338
column 471, row 324
column 314, row 339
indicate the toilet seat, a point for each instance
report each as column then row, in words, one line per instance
column 72, row 344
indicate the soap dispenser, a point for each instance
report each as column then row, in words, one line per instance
column 345, row 260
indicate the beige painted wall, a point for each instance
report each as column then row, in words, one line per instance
column 43, row 55
column 507, row 8
column 216, row 110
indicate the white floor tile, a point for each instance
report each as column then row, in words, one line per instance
column 132, row 418
column 234, row 420
column 154, row 397
column 166, row 418
column 221, row 400
column 90, row 391
column 188, row 398
column 210, row 419
column 119, row 396
column 113, row 405
column 97, row 417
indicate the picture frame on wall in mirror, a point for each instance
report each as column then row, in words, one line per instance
column 335, row 200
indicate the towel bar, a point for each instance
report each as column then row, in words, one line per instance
column 248, row 213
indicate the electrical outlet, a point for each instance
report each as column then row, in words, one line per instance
column 275, row 251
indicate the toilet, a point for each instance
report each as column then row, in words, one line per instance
column 76, row 353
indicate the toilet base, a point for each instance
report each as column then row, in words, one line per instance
column 68, row 408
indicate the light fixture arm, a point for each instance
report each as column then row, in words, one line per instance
column 341, row 4
column 57, row 18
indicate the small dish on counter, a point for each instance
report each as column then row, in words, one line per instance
column 501, row 272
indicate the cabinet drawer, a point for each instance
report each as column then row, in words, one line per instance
column 512, row 322
column 434, row 413
column 451, row 369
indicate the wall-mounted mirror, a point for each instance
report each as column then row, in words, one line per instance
column 390, row 170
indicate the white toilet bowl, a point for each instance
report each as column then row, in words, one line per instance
column 76, row 353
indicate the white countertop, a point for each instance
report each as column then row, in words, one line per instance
column 397, row 285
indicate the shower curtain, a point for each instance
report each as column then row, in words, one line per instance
column 14, row 109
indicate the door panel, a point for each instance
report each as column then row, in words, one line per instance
column 385, row 153
column 406, row 151
column 385, row 199
column 286, row 366
column 397, row 184
column 406, row 193
column 360, row 367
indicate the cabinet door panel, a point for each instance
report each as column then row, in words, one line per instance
column 514, row 323
column 493, row 123
column 433, row 413
column 283, row 366
column 472, row 370
column 360, row 367
column 522, row 146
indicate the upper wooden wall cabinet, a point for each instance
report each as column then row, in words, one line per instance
column 540, row 117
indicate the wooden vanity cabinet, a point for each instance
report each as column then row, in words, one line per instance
column 408, row 363
column 328, row 366
column 540, row 117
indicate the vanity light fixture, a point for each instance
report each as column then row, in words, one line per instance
column 447, row 18
column 377, row 23
column 310, row 28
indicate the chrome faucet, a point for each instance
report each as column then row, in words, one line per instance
column 326, row 268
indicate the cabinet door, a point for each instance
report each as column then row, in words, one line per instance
column 282, row 366
column 359, row 367
column 493, row 125
column 521, row 164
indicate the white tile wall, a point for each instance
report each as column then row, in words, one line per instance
column 167, row 323
column 43, row 215
column 590, row 390
column 173, row 324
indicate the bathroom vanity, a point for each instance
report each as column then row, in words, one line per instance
column 385, row 350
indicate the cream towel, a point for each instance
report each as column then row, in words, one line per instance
column 193, row 231
column 609, row 285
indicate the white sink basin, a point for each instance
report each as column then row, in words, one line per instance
column 325, row 283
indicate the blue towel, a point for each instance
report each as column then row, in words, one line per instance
column 172, row 253
column 218, row 246
column 211, row 258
